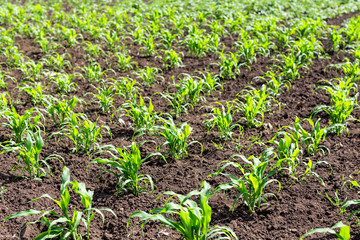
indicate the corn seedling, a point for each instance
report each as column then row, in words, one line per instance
column 29, row 156
column 123, row 62
column 194, row 221
column 86, row 135
column 104, row 98
column 292, row 63
column 337, row 40
column 276, row 83
column 4, row 108
column 126, row 88
column 341, row 104
column 223, row 119
column 20, row 124
column 148, row 75
column 65, row 82
column 65, row 225
column 58, row 62
column 111, row 39
column 36, row 93
column 351, row 70
column 247, row 50
column 198, row 45
column 252, row 183
column 192, row 88
column 211, row 83
column 61, row 111
column 172, row 59
column 144, row 117
column 255, row 104
column 229, row 65
column 3, row 78
column 343, row 234
column 336, row 202
column 350, row 203
column 70, row 36
column 167, row 38
column 93, row 72
column 148, row 46
column 93, row 50
column 175, row 138
column 128, row 164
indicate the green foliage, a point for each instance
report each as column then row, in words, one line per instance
column 255, row 103
column 21, row 124
column 128, row 164
column 341, row 103
column 253, row 181
column 65, row 225
column 61, row 111
column 144, row 117
column 175, row 138
column 194, row 221
column 86, row 135
column 343, row 234
column 223, row 119
column 29, row 156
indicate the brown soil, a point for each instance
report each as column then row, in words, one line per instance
column 297, row 208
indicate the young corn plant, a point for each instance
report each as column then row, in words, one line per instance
column 94, row 50
column 126, row 88
column 343, row 234
column 65, row 225
column 65, row 82
column 198, row 45
column 253, row 181
column 86, row 135
column 276, row 83
column 21, row 124
column 292, row 63
column 337, row 40
column 3, row 78
column 168, row 38
column 29, row 156
column 223, row 119
column 351, row 70
column 341, row 104
column 194, row 221
column 128, row 164
column 177, row 101
column 229, row 65
column 172, row 59
column 104, row 98
column 4, row 108
column 247, row 50
column 192, row 88
column 148, row 46
column 148, row 75
column 111, row 39
column 61, row 111
column 310, row 140
column 144, row 117
column 175, row 138
column 288, row 155
column 36, row 93
column 93, row 72
column 255, row 104
column 123, row 62
column 70, row 36
column 211, row 83
column 58, row 62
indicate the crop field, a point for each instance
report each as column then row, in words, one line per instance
column 177, row 119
